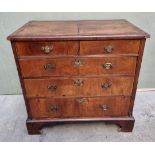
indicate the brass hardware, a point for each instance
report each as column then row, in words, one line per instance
column 80, row 100
column 54, row 108
column 104, row 107
column 52, row 87
column 106, row 85
column 49, row 66
column 47, row 49
column 78, row 63
column 108, row 48
column 78, row 82
column 107, row 65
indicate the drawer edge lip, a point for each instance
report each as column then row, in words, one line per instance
column 76, row 56
column 74, row 77
column 81, row 119
column 68, row 97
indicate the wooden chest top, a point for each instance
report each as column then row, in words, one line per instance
column 78, row 30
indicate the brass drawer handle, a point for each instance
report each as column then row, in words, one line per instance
column 78, row 82
column 104, row 107
column 107, row 65
column 49, row 66
column 108, row 48
column 78, row 63
column 47, row 49
column 80, row 100
column 106, row 85
column 52, row 87
column 54, row 108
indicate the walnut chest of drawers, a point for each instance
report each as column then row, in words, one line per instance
column 78, row 71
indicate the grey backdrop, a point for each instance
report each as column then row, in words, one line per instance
column 9, row 22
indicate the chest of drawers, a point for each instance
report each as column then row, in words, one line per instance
column 78, row 71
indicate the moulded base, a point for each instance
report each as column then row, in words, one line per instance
column 125, row 124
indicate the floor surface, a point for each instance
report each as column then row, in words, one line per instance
column 13, row 116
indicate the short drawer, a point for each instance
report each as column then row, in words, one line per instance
column 78, row 66
column 79, row 107
column 109, row 47
column 105, row 86
column 47, row 48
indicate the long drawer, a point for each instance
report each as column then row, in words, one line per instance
column 105, row 86
column 79, row 107
column 78, row 66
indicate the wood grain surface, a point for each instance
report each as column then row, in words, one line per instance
column 118, row 47
column 88, row 87
column 77, row 30
column 70, row 107
column 77, row 66
column 57, row 48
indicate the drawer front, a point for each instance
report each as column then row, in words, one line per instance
column 80, row 107
column 48, row 67
column 79, row 86
column 78, row 66
column 109, row 47
column 107, row 65
column 47, row 48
